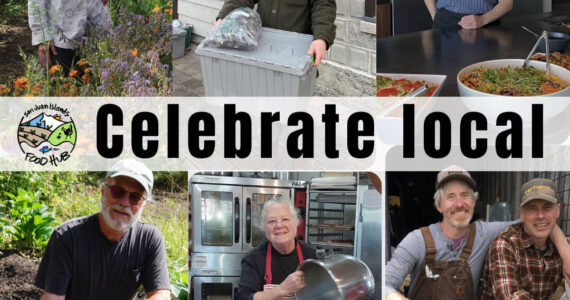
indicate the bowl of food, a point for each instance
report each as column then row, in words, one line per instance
column 556, row 58
column 400, row 85
column 506, row 77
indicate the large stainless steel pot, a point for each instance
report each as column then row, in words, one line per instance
column 336, row 277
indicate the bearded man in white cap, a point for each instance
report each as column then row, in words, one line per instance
column 108, row 255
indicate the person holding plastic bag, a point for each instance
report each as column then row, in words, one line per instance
column 314, row 17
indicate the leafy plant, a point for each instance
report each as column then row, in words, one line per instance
column 32, row 221
column 179, row 285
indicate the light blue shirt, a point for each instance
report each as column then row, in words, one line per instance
column 470, row 7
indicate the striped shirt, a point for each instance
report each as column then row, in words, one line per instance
column 469, row 7
column 514, row 268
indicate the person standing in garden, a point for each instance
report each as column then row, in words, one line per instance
column 108, row 255
column 314, row 17
column 55, row 23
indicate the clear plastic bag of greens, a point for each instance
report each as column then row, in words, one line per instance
column 240, row 29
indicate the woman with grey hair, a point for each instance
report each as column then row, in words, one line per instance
column 268, row 271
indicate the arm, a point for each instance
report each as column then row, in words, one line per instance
column 430, row 5
column 561, row 243
column 501, row 267
column 477, row 21
column 50, row 296
column 396, row 296
column 155, row 274
column 158, row 295
column 233, row 4
column 406, row 260
column 294, row 282
column 323, row 15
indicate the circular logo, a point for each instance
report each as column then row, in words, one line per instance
column 47, row 134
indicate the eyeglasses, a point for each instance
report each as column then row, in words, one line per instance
column 119, row 192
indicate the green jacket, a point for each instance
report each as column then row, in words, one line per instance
column 314, row 17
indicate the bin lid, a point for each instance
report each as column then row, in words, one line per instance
column 178, row 32
column 278, row 50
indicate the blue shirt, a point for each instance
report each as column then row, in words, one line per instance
column 470, row 7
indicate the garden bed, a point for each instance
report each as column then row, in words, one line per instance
column 13, row 34
column 17, row 273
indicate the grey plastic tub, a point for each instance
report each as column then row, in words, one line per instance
column 178, row 40
column 279, row 67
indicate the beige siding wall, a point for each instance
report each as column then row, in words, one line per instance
column 201, row 14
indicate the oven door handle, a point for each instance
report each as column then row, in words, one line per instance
column 248, row 221
column 236, row 219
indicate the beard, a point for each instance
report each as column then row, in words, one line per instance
column 118, row 224
column 461, row 223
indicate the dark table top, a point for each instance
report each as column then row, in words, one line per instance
column 448, row 51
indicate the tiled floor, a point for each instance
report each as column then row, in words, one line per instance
column 187, row 74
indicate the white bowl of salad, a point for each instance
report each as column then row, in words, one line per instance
column 506, row 77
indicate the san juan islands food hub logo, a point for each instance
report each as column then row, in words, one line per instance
column 47, row 134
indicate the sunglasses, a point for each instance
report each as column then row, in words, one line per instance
column 119, row 192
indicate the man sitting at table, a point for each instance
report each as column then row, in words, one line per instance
column 470, row 14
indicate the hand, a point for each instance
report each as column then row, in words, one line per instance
column 318, row 48
column 294, row 282
column 217, row 23
column 471, row 22
column 42, row 53
column 105, row 2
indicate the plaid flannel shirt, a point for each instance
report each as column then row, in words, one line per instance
column 514, row 269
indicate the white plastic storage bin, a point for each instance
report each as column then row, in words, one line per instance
column 279, row 66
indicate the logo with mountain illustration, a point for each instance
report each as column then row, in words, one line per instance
column 47, row 134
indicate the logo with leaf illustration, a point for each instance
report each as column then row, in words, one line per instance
column 47, row 134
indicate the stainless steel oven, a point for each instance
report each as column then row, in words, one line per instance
column 226, row 224
column 215, row 288
column 227, row 211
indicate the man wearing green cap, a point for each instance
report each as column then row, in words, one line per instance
column 523, row 263
column 108, row 255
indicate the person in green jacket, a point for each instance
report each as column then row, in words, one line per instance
column 314, row 17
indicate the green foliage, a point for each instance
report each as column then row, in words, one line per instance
column 179, row 283
column 138, row 7
column 174, row 182
column 11, row 9
column 31, row 221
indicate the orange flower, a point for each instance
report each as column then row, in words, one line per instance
column 82, row 63
column 88, row 70
column 169, row 3
column 28, row 95
column 135, row 52
column 156, row 9
column 4, row 90
column 54, row 69
column 67, row 84
column 155, row 29
column 168, row 11
column 21, row 83
column 73, row 73
column 151, row 71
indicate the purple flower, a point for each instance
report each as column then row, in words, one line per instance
column 164, row 66
column 147, row 82
column 130, row 23
column 100, row 88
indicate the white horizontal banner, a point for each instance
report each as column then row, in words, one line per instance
column 168, row 134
